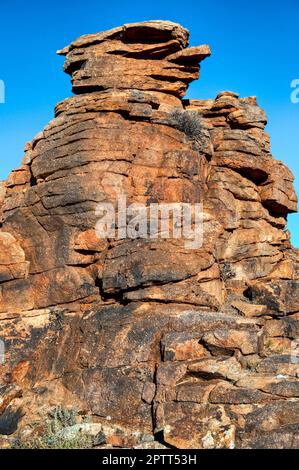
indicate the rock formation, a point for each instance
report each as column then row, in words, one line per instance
column 161, row 345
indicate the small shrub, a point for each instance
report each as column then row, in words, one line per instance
column 59, row 419
column 63, row 417
column 52, row 441
column 188, row 122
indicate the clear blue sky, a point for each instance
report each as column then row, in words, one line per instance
column 255, row 51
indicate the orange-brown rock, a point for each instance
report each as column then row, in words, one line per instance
column 151, row 56
column 159, row 343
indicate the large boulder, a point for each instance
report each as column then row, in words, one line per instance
column 161, row 343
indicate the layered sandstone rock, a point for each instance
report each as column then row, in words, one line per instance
column 157, row 342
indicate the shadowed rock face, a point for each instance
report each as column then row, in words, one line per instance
column 159, row 343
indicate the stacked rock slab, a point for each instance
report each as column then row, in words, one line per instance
column 160, row 344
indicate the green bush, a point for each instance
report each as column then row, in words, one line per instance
column 63, row 417
column 59, row 419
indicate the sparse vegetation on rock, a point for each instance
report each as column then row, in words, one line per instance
column 54, row 435
column 189, row 122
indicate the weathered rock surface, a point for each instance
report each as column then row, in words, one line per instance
column 157, row 342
